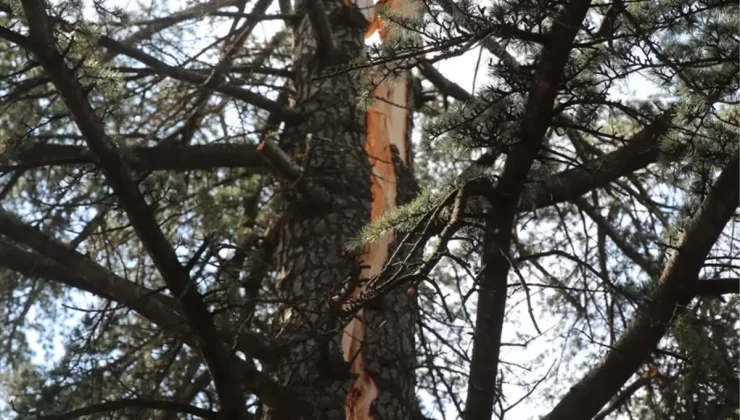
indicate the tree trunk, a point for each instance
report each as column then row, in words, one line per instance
column 312, row 261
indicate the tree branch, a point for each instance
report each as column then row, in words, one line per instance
column 717, row 287
column 203, row 81
column 623, row 397
column 676, row 287
column 16, row 38
column 641, row 150
column 57, row 263
column 34, row 265
column 181, row 158
column 618, row 239
column 280, row 162
column 321, row 28
column 463, row 19
column 170, row 406
column 193, row 77
column 443, row 84
column 161, row 24
column 497, row 239
column 218, row 360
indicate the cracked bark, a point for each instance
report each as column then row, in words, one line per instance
column 311, row 257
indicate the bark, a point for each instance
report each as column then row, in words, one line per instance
column 312, row 258
column 384, row 360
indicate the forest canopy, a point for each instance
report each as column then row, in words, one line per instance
column 328, row 209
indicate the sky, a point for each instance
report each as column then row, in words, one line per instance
column 459, row 70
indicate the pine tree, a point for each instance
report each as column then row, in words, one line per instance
column 233, row 209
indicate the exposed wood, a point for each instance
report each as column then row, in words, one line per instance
column 387, row 125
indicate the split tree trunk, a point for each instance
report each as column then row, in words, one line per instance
column 311, row 256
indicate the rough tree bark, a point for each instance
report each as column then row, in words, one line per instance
column 312, row 261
